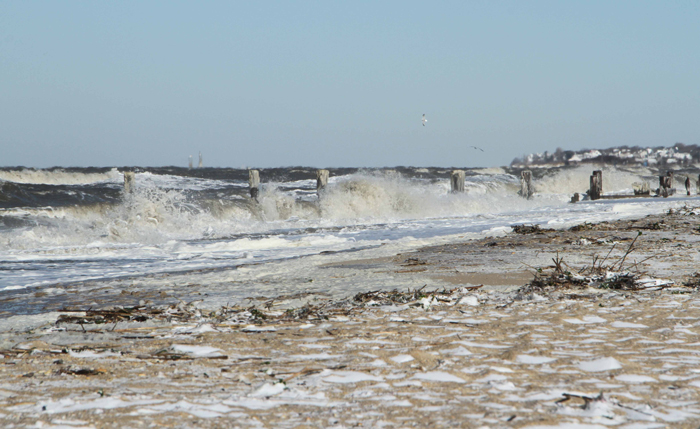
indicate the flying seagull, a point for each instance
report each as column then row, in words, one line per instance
column 477, row 148
column 424, row 120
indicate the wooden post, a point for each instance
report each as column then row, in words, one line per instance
column 596, row 186
column 254, row 183
column 526, row 188
column 321, row 180
column 687, row 185
column 697, row 185
column 663, row 188
column 129, row 177
column 457, row 180
column 576, row 198
column 666, row 185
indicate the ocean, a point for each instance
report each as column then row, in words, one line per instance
column 77, row 226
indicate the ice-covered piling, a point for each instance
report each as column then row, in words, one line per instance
column 457, row 180
column 641, row 189
column 526, row 188
column 321, row 180
column 129, row 177
column 254, row 183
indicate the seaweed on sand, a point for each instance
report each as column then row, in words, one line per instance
column 77, row 370
column 529, row 229
column 394, row 296
column 231, row 315
column 547, row 282
column 178, row 312
column 693, row 281
column 600, row 276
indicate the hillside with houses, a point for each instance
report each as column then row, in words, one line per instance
column 677, row 155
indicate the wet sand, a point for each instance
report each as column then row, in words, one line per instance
column 497, row 355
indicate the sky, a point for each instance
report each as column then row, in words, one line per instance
column 341, row 84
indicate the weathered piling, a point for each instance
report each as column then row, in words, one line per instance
column 596, row 187
column 687, row 185
column 697, row 185
column 321, row 180
column 666, row 185
column 457, row 180
column 254, row 183
column 576, row 198
column 663, row 186
column 129, row 177
column 526, row 188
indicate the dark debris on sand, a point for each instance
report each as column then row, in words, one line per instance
column 530, row 229
column 315, row 310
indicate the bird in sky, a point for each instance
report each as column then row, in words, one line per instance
column 424, row 120
column 475, row 147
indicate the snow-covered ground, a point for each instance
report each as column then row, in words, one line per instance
column 623, row 360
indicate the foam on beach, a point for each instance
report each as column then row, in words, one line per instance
column 173, row 223
column 307, row 341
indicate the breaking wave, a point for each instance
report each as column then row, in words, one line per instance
column 170, row 207
column 58, row 176
column 615, row 180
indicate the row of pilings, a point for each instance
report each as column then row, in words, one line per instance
column 666, row 187
column 457, row 182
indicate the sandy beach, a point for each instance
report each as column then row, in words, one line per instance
column 335, row 215
column 588, row 327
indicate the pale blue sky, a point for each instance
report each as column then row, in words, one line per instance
column 329, row 84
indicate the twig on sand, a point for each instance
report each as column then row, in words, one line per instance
column 606, row 256
column 644, row 260
column 629, row 250
column 557, row 263
column 587, row 399
column 305, row 371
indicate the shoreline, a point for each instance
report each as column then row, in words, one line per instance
column 480, row 355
